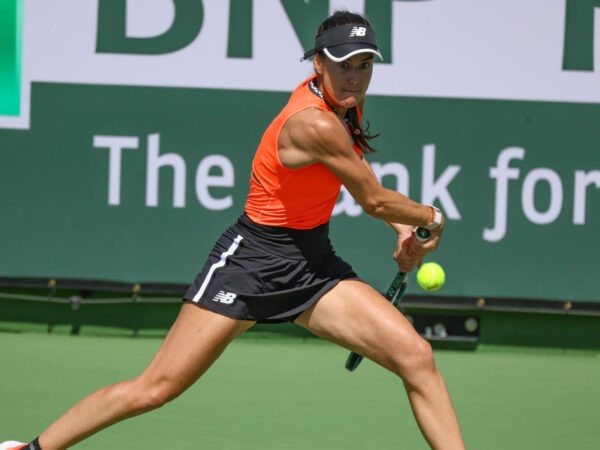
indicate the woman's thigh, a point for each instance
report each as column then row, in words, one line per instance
column 196, row 339
column 356, row 316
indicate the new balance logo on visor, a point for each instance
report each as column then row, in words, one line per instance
column 358, row 31
column 226, row 298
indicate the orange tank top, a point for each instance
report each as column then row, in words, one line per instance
column 301, row 198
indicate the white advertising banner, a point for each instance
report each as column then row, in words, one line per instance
column 493, row 49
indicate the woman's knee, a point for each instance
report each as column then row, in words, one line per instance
column 162, row 392
column 417, row 362
column 149, row 396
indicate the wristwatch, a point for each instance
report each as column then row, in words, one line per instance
column 437, row 219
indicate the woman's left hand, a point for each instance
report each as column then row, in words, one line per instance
column 409, row 252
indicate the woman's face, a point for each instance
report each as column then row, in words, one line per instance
column 344, row 84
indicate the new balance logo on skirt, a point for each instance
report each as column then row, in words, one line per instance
column 358, row 31
column 226, row 298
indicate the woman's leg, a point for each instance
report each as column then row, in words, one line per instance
column 195, row 341
column 356, row 316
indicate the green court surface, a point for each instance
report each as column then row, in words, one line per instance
column 293, row 393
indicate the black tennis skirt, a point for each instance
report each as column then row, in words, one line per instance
column 267, row 274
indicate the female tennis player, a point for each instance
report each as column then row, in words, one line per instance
column 277, row 263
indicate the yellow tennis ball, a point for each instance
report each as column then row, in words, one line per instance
column 431, row 276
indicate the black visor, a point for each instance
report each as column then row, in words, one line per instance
column 342, row 42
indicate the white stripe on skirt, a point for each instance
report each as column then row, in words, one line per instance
column 230, row 251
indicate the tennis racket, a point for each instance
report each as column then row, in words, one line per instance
column 393, row 294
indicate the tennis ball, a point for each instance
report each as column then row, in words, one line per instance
column 431, row 276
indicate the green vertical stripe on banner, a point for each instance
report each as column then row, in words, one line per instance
column 10, row 56
column 578, row 52
column 240, row 29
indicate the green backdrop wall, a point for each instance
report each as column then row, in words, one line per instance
column 133, row 181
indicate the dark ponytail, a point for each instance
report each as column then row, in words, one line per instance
column 360, row 135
